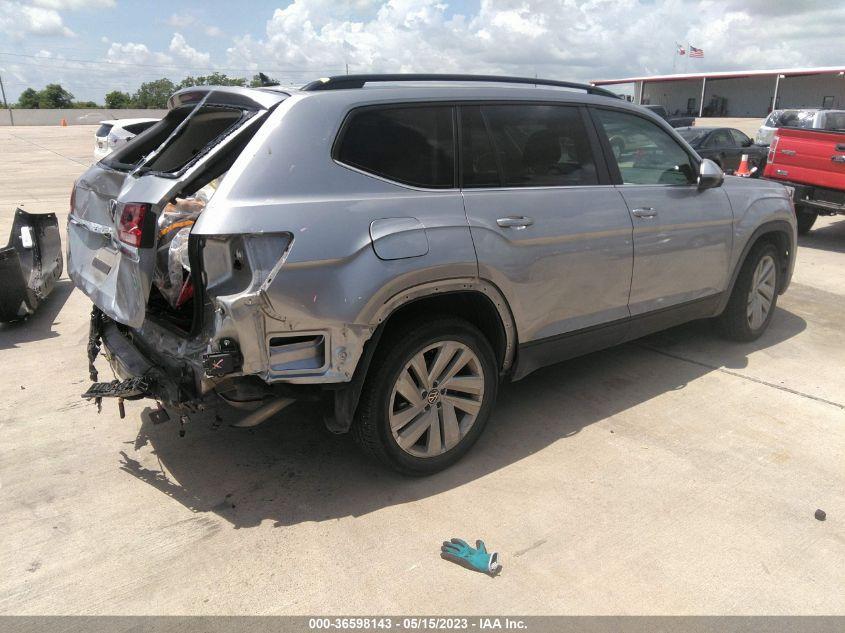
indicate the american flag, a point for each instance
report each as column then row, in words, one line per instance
column 696, row 52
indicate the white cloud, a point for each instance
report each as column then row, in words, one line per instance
column 180, row 48
column 18, row 20
column 564, row 39
column 131, row 53
column 576, row 39
column 181, row 20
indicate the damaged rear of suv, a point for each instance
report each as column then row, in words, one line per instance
column 169, row 301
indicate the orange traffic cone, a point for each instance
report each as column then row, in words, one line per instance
column 743, row 167
column 63, row 123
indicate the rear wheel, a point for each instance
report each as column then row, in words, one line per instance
column 806, row 220
column 430, row 392
column 754, row 297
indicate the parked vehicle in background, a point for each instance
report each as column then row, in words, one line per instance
column 395, row 251
column 673, row 120
column 115, row 133
column 725, row 147
column 811, row 118
column 812, row 162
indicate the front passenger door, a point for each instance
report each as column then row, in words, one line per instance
column 682, row 236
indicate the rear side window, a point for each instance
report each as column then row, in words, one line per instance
column 739, row 138
column 719, row 139
column 644, row 152
column 530, row 146
column 137, row 128
column 411, row 145
column 103, row 130
column 834, row 121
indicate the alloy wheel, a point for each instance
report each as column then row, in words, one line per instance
column 436, row 399
column 762, row 292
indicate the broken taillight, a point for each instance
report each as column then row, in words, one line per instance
column 130, row 229
column 773, row 147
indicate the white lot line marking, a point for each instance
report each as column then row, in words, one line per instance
column 26, row 140
column 744, row 377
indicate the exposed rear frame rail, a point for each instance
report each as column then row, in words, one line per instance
column 343, row 82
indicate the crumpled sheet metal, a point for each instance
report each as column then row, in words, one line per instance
column 30, row 264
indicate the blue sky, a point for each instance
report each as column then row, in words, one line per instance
column 92, row 46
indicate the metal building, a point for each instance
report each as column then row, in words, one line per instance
column 741, row 93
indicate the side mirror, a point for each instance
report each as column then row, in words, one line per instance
column 709, row 175
column 747, row 142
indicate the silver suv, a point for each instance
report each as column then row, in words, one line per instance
column 392, row 247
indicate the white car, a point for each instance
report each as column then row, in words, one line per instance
column 810, row 118
column 115, row 133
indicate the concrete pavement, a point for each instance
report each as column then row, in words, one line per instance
column 674, row 475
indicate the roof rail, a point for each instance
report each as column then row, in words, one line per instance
column 341, row 82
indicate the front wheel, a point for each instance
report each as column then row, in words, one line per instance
column 432, row 388
column 755, row 294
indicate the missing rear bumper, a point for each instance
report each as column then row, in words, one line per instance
column 30, row 264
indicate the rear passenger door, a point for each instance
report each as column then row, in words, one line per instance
column 548, row 228
column 682, row 236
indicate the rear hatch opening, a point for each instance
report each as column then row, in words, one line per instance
column 146, row 196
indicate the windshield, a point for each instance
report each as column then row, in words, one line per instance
column 692, row 135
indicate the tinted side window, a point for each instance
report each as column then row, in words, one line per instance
column 539, row 146
column 645, row 153
column 720, row 138
column 739, row 138
column 137, row 128
column 411, row 145
column 478, row 159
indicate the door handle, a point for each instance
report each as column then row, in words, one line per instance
column 644, row 212
column 515, row 222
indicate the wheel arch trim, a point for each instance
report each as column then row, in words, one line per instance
column 347, row 395
column 774, row 226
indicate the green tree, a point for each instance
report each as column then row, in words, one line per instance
column 28, row 98
column 153, row 94
column 54, row 96
column 214, row 79
column 261, row 79
column 117, row 99
column 85, row 104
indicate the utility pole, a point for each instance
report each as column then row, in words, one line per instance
column 6, row 105
column 347, row 69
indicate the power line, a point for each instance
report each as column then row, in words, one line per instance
column 101, row 62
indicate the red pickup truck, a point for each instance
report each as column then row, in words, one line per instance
column 813, row 163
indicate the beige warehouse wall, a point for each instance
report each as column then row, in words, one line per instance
column 744, row 124
column 80, row 116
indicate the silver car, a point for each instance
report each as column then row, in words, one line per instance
column 393, row 247
column 811, row 118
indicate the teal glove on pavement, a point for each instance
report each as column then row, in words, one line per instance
column 478, row 559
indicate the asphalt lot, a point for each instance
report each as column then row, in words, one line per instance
column 674, row 475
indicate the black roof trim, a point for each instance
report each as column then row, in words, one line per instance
column 342, row 82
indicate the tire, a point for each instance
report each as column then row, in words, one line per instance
column 741, row 321
column 385, row 416
column 806, row 220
